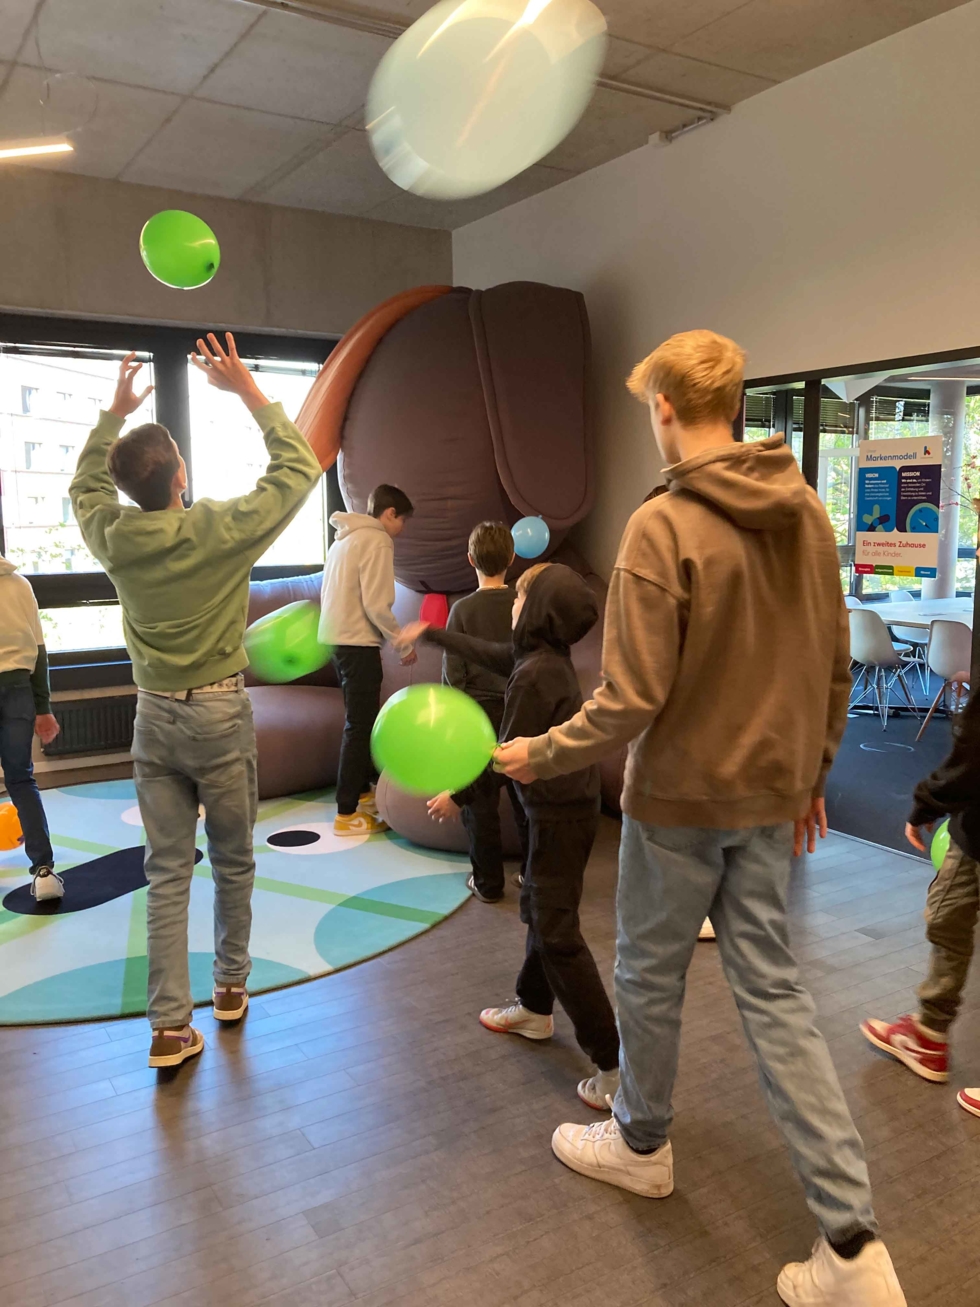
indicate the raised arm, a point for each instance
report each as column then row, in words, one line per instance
column 255, row 520
column 93, row 495
column 487, row 653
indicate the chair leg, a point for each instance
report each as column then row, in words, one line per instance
column 900, row 674
column 883, row 700
column 930, row 714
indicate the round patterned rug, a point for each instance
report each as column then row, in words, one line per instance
column 320, row 903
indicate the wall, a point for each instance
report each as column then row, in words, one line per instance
column 829, row 221
column 70, row 245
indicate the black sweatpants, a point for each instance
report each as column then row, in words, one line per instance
column 480, row 815
column 558, row 962
column 359, row 669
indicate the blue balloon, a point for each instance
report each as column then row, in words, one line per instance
column 531, row 537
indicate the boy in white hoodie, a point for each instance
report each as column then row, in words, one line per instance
column 356, row 617
column 25, row 709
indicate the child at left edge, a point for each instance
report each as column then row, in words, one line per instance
column 25, row 711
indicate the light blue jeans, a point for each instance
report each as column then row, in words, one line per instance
column 189, row 752
column 670, row 879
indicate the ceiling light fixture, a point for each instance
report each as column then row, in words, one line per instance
column 28, row 151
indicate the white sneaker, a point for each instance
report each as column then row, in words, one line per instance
column 599, row 1090
column 515, row 1019
column 600, row 1152
column 707, row 931
column 826, row 1280
column 46, row 885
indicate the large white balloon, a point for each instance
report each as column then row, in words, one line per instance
column 476, row 91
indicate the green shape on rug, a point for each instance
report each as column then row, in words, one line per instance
column 409, row 906
column 118, row 988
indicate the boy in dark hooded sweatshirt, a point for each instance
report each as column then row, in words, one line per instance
column 554, row 609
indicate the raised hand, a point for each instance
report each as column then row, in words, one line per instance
column 125, row 400
column 225, row 370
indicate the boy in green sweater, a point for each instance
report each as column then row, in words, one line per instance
column 182, row 580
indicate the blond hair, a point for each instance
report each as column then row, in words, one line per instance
column 700, row 373
column 525, row 579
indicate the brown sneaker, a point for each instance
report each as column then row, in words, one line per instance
column 171, row 1047
column 230, row 1002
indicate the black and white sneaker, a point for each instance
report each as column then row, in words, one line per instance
column 46, row 885
column 484, row 898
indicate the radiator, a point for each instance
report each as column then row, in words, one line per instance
column 93, row 726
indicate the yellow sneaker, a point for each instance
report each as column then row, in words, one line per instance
column 368, row 804
column 358, row 823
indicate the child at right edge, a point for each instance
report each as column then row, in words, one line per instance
column 554, row 609
column 920, row 1040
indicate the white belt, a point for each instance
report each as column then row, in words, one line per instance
column 227, row 686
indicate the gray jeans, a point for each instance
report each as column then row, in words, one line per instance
column 189, row 752
column 670, row 878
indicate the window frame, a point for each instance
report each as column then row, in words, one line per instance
column 169, row 347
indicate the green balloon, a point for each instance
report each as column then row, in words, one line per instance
column 431, row 738
column 285, row 645
column 940, row 844
column 180, row 249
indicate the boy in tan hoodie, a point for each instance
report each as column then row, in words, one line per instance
column 725, row 669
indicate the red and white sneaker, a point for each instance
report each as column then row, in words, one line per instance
column 969, row 1100
column 904, row 1040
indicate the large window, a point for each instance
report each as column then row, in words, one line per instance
column 55, row 376
column 228, row 454
column 933, row 398
column 49, row 401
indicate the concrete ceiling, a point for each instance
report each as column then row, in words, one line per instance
column 240, row 99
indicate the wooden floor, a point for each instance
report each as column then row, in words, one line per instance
column 361, row 1139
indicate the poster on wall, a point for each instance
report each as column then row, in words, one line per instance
column 897, row 527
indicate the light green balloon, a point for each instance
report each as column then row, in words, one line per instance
column 431, row 738
column 940, row 844
column 180, row 249
column 284, row 645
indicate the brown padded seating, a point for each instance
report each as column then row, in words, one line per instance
column 298, row 726
column 476, row 404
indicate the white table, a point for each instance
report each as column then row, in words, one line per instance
column 920, row 612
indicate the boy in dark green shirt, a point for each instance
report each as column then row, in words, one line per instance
column 182, row 579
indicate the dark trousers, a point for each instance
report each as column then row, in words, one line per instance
column 558, row 962
column 359, row 669
column 480, row 816
column 16, row 740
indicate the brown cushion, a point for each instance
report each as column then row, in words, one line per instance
column 407, row 816
column 298, row 730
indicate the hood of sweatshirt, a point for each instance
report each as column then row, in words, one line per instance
column 6, row 566
column 559, row 609
column 346, row 524
column 758, row 485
